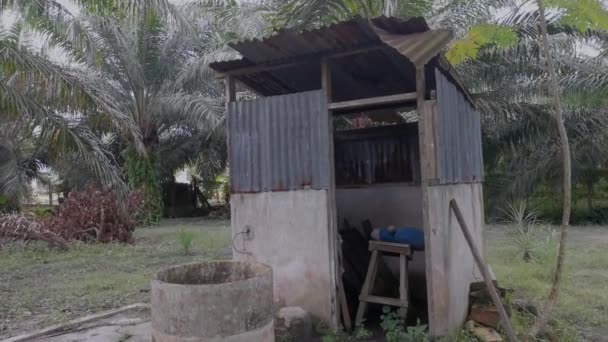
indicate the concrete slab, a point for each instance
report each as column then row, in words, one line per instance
column 132, row 325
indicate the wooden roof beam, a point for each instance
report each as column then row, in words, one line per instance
column 373, row 101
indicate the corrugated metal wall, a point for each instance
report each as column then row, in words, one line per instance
column 377, row 155
column 279, row 143
column 459, row 151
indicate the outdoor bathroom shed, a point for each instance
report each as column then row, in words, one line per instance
column 360, row 120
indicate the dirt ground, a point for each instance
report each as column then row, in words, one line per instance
column 39, row 287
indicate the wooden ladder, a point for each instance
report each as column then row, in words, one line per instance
column 378, row 248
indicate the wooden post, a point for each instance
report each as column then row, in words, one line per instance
column 432, row 304
column 335, row 247
column 230, row 88
column 420, row 86
column 326, row 79
column 484, row 271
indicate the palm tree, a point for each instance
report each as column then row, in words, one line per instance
column 150, row 61
column 42, row 110
column 456, row 15
column 150, row 67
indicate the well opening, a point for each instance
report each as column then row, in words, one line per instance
column 216, row 272
column 213, row 301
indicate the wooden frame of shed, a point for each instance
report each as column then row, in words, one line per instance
column 284, row 199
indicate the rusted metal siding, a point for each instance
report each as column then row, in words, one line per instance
column 459, row 150
column 279, row 143
column 377, row 155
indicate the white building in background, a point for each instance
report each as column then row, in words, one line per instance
column 40, row 190
column 182, row 176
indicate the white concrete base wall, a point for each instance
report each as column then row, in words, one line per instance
column 383, row 204
column 291, row 231
column 450, row 264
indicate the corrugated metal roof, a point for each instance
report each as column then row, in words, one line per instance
column 397, row 46
column 419, row 48
column 287, row 44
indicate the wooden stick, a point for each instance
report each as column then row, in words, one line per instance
column 348, row 325
column 38, row 334
column 373, row 101
column 484, row 271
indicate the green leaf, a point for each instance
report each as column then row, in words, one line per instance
column 583, row 15
column 478, row 37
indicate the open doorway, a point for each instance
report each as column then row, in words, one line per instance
column 377, row 177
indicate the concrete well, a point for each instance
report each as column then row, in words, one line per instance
column 213, row 301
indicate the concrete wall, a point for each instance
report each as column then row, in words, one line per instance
column 384, row 205
column 291, row 234
column 450, row 264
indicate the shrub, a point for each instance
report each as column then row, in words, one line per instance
column 27, row 228
column 185, row 240
column 3, row 203
column 43, row 213
column 531, row 235
column 95, row 215
column 392, row 324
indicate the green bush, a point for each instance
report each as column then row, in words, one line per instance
column 534, row 240
column 391, row 324
column 42, row 212
column 3, row 204
column 185, row 240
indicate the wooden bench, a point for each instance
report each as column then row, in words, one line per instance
column 379, row 248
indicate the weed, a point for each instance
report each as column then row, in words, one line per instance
column 461, row 336
column 185, row 240
column 361, row 333
column 330, row 335
column 530, row 234
column 392, row 324
column 415, row 333
column 395, row 331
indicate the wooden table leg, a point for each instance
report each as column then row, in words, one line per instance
column 368, row 287
column 403, row 285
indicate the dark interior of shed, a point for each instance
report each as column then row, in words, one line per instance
column 377, row 177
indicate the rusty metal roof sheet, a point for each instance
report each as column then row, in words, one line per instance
column 286, row 44
column 389, row 69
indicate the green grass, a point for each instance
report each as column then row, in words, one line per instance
column 39, row 287
column 583, row 303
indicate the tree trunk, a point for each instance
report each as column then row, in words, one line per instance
column 553, row 92
column 50, row 187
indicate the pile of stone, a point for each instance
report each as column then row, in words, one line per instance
column 484, row 319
